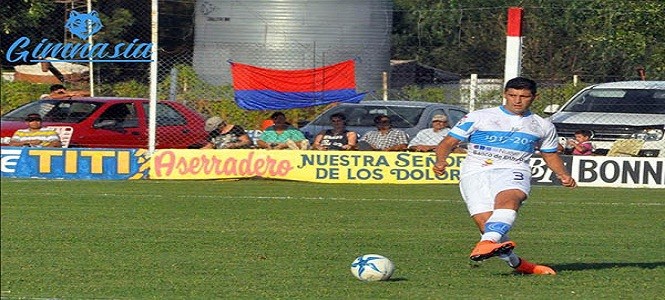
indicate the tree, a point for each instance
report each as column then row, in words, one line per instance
column 24, row 18
column 601, row 40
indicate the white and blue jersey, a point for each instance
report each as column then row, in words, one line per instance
column 498, row 139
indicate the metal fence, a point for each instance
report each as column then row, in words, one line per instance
column 196, row 72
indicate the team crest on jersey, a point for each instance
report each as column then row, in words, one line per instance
column 462, row 120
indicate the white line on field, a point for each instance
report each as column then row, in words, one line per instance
column 222, row 197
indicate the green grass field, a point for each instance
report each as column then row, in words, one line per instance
column 291, row 240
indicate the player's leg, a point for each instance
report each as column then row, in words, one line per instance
column 509, row 188
column 509, row 202
column 479, row 198
column 490, row 244
column 521, row 265
column 505, row 212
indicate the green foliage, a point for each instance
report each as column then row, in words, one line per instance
column 132, row 89
column 20, row 15
column 265, row 239
column 115, row 24
column 554, row 95
column 15, row 94
column 598, row 39
column 424, row 94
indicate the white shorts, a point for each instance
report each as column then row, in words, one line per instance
column 480, row 189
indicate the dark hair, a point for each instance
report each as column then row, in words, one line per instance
column 522, row 83
column 56, row 87
column 339, row 116
column 378, row 118
column 33, row 117
column 277, row 114
column 583, row 132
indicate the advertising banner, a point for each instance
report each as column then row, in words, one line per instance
column 619, row 171
column 57, row 163
column 312, row 166
column 542, row 175
column 303, row 165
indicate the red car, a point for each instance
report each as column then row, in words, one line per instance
column 101, row 122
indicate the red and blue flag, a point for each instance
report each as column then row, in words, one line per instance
column 269, row 89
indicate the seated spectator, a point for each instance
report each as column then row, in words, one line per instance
column 581, row 144
column 385, row 138
column 35, row 135
column 222, row 135
column 428, row 138
column 281, row 135
column 337, row 138
column 59, row 91
column 118, row 116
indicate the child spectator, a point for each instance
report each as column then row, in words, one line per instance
column 581, row 144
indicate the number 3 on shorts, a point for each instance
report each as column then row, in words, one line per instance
column 518, row 176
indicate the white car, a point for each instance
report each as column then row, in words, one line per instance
column 616, row 110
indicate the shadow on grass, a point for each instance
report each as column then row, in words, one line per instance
column 606, row 265
column 397, row 279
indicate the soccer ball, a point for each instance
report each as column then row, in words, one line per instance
column 372, row 267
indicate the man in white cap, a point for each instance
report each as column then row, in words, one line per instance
column 222, row 135
column 427, row 139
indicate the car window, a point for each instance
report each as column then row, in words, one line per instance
column 121, row 115
column 454, row 115
column 401, row 117
column 166, row 115
column 62, row 111
column 619, row 101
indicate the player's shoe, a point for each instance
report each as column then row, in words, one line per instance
column 487, row 249
column 526, row 267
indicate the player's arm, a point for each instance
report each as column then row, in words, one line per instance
column 555, row 163
column 445, row 147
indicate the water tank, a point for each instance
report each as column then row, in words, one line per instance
column 293, row 34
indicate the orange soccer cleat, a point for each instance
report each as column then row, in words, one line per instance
column 487, row 249
column 526, row 267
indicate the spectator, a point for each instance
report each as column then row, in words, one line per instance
column 59, row 91
column 581, row 145
column 384, row 138
column 337, row 138
column 222, row 135
column 281, row 135
column 35, row 135
column 121, row 115
column 428, row 138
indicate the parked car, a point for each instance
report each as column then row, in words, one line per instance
column 409, row 116
column 617, row 110
column 102, row 122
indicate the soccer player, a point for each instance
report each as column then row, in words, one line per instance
column 495, row 177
